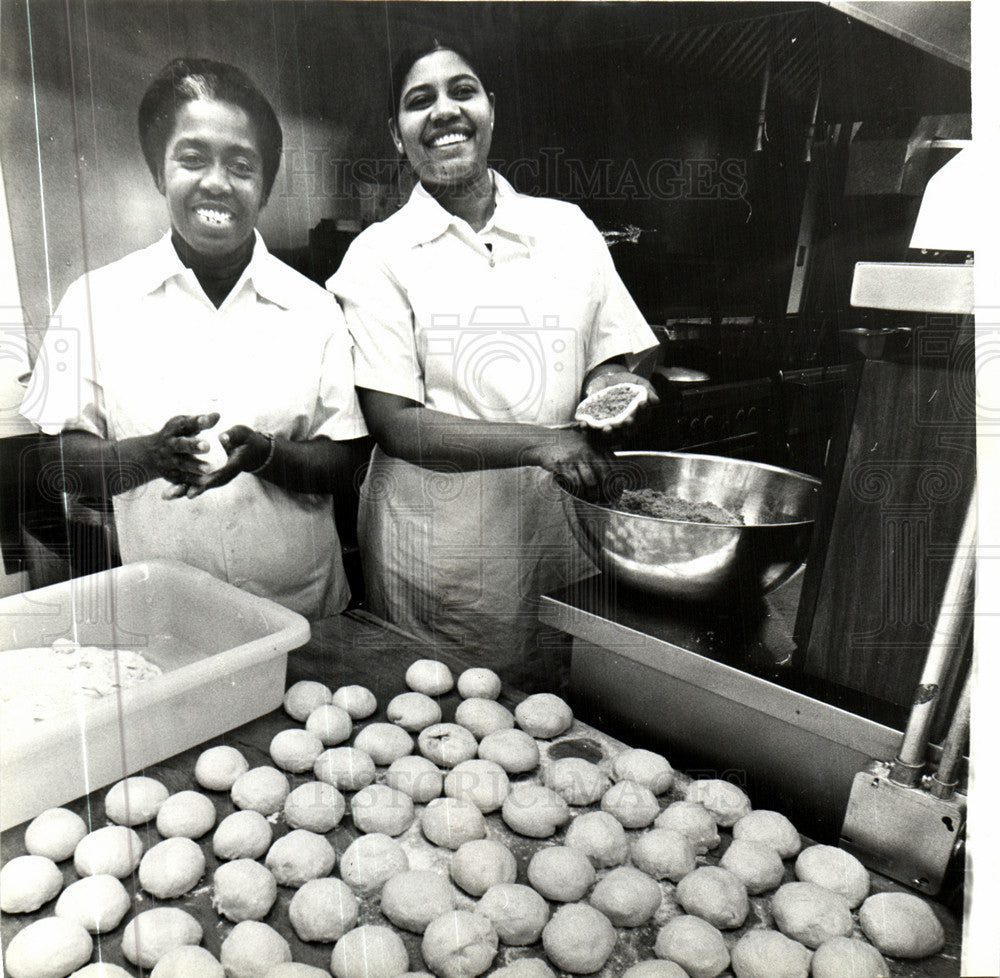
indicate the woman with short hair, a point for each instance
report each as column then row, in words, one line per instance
column 205, row 329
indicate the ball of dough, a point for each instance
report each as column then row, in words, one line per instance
column 346, row 768
column 727, row 803
column 218, row 767
column 48, row 948
column 534, row 810
column 357, row 701
column 413, row 899
column 447, row 744
column 578, row 781
column 303, row 697
column 171, row 868
column 758, row 865
column 482, row 863
column 560, row 873
column 770, row 828
column 54, row 834
column 694, row 944
column 664, row 854
column 332, row 724
column 300, row 856
column 430, row 677
column 483, row 716
column 768, row 954
column 316, row 806
column 600, row 836
column 514, row 750
column 449, row 822
column 416, row 776
column 459, row 944
column 215, row 457
column 244, row 890
column 627, row 897
column 370, row 860
column 644, row 767
column 150, row 934
column 901, row 925
column 693, row 820
column 655, row 969
column 369, row 952
column 811, row 914
column 578, row 939
column 323, row 910
column 252, row 949
column 836, row 870
column 186, row 962
column 27, row 882
column 543, row 715
column 293, row 969
column 295, row 750
column 413, row 711
column 102, row 969
column 187, row 813
column 262, row 789
column 714, row 894
column 525, row 968
column 242, row 835
column 115, row 850
column 518, row 912
column 484, row 783
column 844, row 956
column 480, row 683
column 379, row 808
column 633, row 804
column 384, row 742
column 134, row 801
column 97, row 903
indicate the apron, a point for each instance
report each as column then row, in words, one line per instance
column 460, row 559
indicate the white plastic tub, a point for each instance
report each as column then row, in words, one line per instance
column 223, row 654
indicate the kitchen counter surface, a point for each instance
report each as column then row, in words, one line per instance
column 357, row 649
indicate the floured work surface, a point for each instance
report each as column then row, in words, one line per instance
column 253, row 740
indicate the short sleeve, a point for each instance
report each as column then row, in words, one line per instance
column 619, row 328
column 380, row 321
column 337, row 415
column 64, row 392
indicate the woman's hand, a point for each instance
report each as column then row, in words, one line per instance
column 607, row 376
column 172, row 453
column 573, row 461
column 247, row 450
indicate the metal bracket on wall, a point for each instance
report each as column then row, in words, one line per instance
column 905, row 833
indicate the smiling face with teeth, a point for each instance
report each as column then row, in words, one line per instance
column 444, row 121
column 212, row 177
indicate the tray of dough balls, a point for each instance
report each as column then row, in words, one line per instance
column 340, row 836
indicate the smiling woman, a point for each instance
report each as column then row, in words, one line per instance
column 481, row 317
column 205, row 329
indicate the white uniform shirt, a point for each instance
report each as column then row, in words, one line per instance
column 501, row 325
column 275, row 356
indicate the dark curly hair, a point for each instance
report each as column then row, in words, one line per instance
column 188, row 79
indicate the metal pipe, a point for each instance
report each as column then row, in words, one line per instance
column 956, row 605
column 943, row 782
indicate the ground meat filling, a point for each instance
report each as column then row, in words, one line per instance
column 654, row 502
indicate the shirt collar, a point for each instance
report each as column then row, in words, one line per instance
column 425, row 219
column 264, row 274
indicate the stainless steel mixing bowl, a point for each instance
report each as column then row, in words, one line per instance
column 701, row 561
